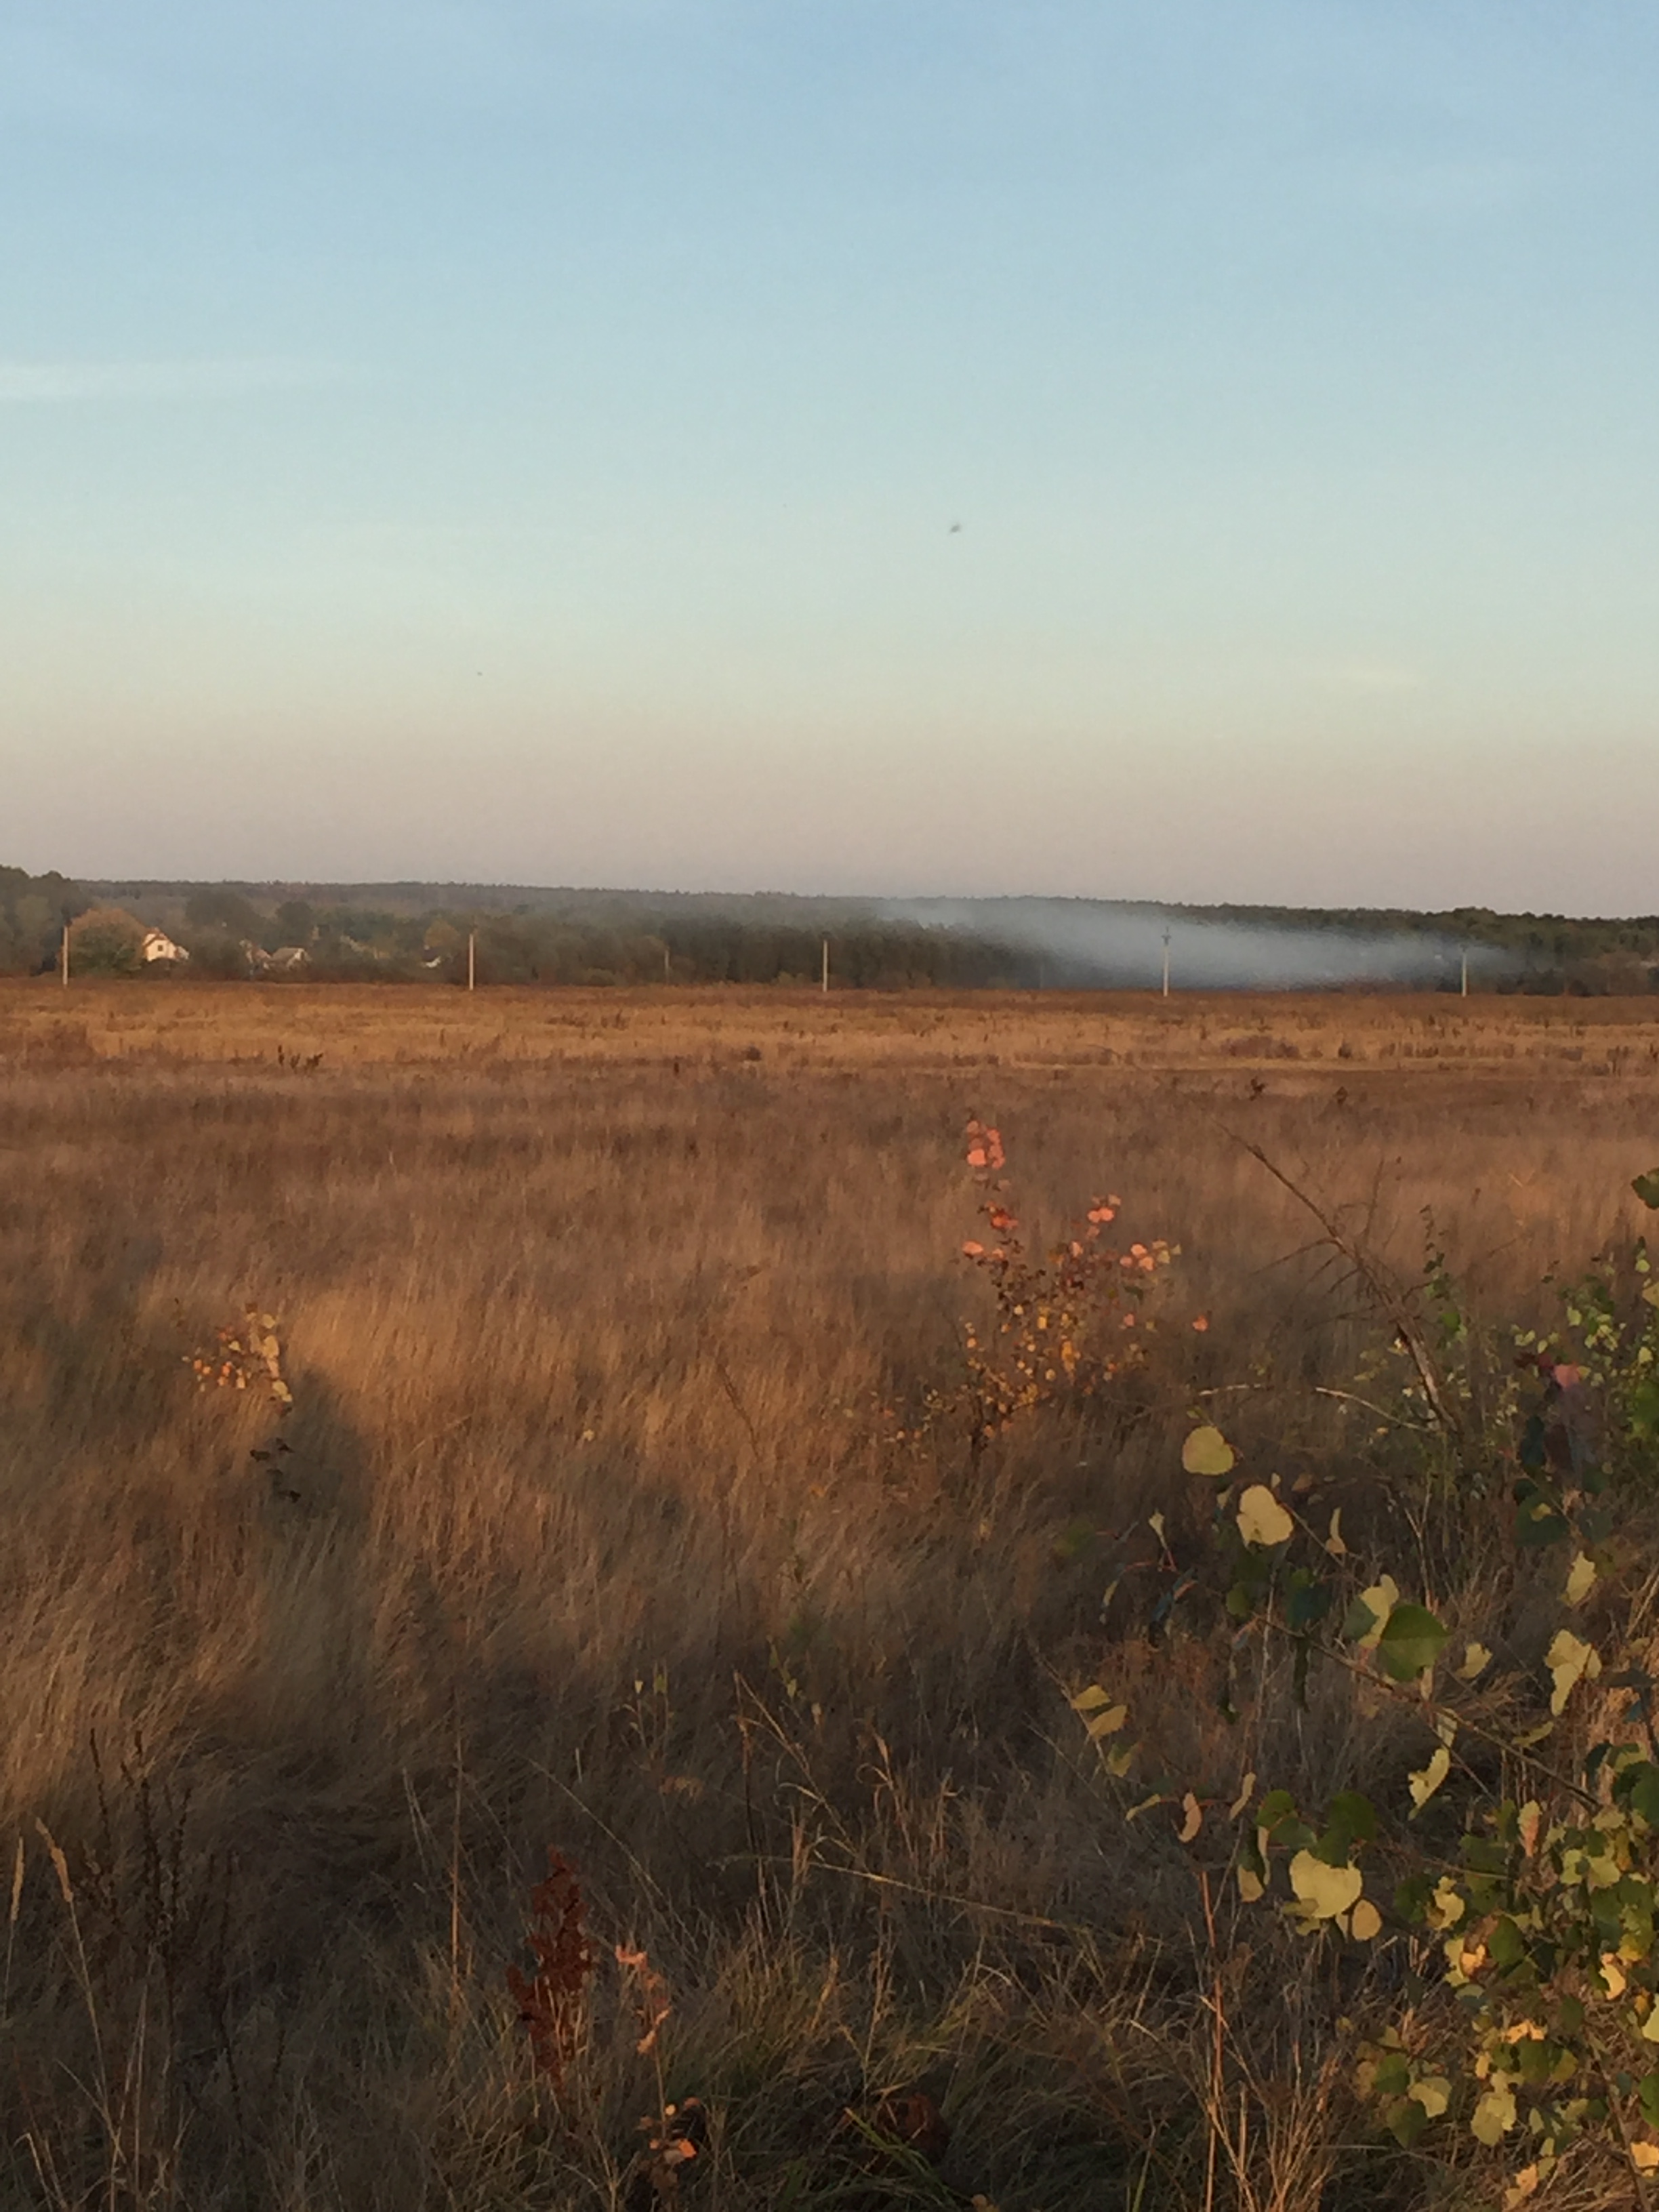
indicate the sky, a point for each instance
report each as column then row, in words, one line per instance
column 1129, row 448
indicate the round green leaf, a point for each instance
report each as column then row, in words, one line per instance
column 1411, row 1642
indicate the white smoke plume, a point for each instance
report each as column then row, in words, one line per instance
column 1087, row 943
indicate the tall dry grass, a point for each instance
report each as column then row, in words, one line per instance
column 609, row 1517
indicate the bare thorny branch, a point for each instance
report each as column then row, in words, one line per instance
column 1384, row 1289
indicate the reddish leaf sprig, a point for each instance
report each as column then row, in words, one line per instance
column 550, row 2001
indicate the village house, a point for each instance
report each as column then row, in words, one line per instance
column 158, row 945
column 286, row 960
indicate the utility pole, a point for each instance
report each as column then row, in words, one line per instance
column 667, row 976
column 64, row 958
column 1166, row 963
column 1466, row 972
column 471, row 959
column 826, row 967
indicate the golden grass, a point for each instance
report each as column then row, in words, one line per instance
column 602, row 1312
column 355, row 1025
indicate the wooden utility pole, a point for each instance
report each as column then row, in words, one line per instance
column 1166, row 963
column 1466, row 972
column 667, row 972
column 471, row 959
column 826, row 967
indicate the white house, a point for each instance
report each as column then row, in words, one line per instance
column 158, row 945
column 286, row 960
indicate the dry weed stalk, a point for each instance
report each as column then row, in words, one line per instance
column 1385, row 1289
column 1275, row 2135
column 678, row 2131
column 553, row 2000
column 650, row 2000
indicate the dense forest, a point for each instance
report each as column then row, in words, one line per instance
column 520, row 934
column 33, row 910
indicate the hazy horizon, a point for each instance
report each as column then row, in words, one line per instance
column 897, row 901
column 1147, row 452
column 938, row 907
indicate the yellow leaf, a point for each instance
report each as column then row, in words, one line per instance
column 1650, row 2026
column 1154, row 1522
column 1379, row 1601
column 1568, row 1659
column 1447, row 1906
column 1249, row 1884
column 1206, row 1451
column 1334, row 1543
column 1261, row 1518
column 1433, row 2092
column 1612, row 1975
column 1428, row 1779
column 1494, row 2115
column 1476, row 1659
column 1463, row 1959
column 1107, row 1724
column 1324, row 1891
column 1246, row 1791
column 1644, row 2156
column 1365, row 1924
column 1581, row 1581
column 1521, row 2188
column 1091, row 1699
column 1597, row 1870
column 1194, row 1821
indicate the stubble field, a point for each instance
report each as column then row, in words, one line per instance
column 631, row 1502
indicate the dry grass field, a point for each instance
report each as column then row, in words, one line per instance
column 624, row 1507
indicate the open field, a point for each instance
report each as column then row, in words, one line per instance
column 355, row 1024
column 626, row 1504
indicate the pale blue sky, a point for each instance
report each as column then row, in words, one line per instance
column 522, row 443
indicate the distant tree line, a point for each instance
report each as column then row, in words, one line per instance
column 1545, row 953
column 609, row 938
column 228, row 935
column 33, row 910
column 874, row 955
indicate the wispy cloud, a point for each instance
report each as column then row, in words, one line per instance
column 48, row 383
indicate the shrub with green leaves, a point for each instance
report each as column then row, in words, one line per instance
column 1511, row 1878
